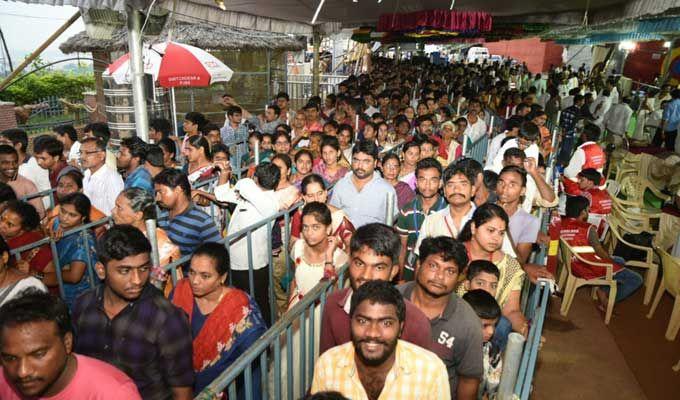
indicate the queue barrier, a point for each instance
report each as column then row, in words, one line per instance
column 303, row 318
column 50, row 193
column 82, row 231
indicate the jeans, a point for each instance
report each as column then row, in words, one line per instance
column 500, row 335
column 627, row 281
column 668, row 140
column 565, row 149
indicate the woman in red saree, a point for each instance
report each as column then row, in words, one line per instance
column 225, row 321
column 19, row 226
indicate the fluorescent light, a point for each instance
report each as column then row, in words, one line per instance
column 453, row 2
column 667, row 45
column 318, row 9
column 627, row 45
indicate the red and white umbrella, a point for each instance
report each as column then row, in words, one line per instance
column 174, row 64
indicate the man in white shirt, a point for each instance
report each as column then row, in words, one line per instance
column 101, row 130
column 512, row 126
column 476, row 126
column 618, row 117
column 28, row 165
column 600, row 107
column 100, row 183
column 613, row 92
column 255, row 201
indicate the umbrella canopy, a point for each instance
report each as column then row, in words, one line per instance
column 173, row 65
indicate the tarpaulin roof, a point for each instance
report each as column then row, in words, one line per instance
column 294, row 16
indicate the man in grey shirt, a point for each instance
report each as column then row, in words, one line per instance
column 524, row 227
column 363, row 194
column 456, row 337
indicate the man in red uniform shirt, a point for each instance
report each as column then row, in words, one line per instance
column 576, row 231
column 587, row 155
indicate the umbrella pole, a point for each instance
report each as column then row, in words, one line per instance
column 173, row 110
column 137, row 67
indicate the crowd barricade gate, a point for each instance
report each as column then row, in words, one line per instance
column 269, row 346
column 82, row 231
column 476, row 150
column 50, row 193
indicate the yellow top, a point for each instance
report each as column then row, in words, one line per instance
column 416, row 374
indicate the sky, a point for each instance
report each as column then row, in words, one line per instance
column 26, row 26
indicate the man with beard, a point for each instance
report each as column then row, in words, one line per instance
column 36, row 341
column 128, row 323
column 374, row 250
column 186, row 225
column 131, row 158
column 459, row 188
column 363, row 194
column 376, row 364
column 412, row 215
column 456, row 337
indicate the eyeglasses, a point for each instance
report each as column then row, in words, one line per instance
column 89, row 153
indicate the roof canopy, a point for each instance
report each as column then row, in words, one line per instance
column 294, row 16
column 205, row 36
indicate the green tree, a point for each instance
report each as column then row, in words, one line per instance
column 39, row 85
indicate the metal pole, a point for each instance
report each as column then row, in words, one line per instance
column 269, row 75
column 137, row 72
column 39, row 50
column 315, row 63
column 511, row 361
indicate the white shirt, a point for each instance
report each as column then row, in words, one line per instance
column 531, row 152
column 476, row 130
column 440, row 223
column 74, row 152
column 576, row 163
column 102, row 188
column 617, row 118
column 494, row 147
column 253, row 204
column 40, row 177
column 614, row 95
column 599, row 115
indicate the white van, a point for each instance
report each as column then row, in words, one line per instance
column 477, row 54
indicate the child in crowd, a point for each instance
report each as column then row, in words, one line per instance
column 488, row 311
column 482, row 274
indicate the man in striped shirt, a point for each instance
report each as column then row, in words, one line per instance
column 185, row 224
column 412, row 215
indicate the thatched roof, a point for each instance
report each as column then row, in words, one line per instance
column 204, row 35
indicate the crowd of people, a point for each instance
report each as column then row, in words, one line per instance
column 432, row 298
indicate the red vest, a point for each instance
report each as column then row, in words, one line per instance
column 575, row 233
column 600, row 201
column 595, row 157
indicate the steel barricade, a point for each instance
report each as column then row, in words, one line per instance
column 45, row 193
column 476, row 150
column 537, row 310
column 246, row 233
column 304, row 314
column 81, row 230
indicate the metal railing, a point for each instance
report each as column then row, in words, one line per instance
column 536, row 312
column 48, row 240
column 299, row 87
column 300, row 319
column 476, row 150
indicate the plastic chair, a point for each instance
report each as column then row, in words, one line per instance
column 634, row 188
column 617, row 229
column 671, row 283
column 634, row 218
column 567, row 254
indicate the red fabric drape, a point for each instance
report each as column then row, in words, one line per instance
column 456, row 21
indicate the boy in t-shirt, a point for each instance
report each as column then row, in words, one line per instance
column 482, row 274
column 488, row 311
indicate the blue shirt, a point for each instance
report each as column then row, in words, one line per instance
column 366, row 206
column 672, row 115
column 140, row 178
column 189, row 229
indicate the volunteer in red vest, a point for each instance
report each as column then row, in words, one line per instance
column 600, row 201
column 587, row 155
column 576, row 231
